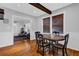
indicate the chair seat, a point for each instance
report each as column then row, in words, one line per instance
column 45, row 44
column 60, row 46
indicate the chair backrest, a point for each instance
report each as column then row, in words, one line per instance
column 40, row 39
column 36, row 34
column 56, row 33
column 66, row 40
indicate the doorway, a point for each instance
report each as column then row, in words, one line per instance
column 21, row 30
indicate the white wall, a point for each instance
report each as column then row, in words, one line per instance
column 27, row 27
column 34, row 28
column 16, row 28
column 71, row 22
column 7, row 30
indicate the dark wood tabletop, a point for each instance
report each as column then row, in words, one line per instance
column 54, row 38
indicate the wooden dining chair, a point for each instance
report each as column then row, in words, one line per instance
column 55, row 32
column 36, row 35
column 43, row 46
column 63, row 47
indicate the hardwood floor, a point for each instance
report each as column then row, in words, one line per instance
column 20, row 48
column 26, row 48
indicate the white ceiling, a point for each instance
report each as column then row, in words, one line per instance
column 21, row 20
column 55, row 6
column 30, row 10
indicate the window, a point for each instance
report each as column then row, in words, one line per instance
column 57, row 23
column 46, row 25
column 1, row 14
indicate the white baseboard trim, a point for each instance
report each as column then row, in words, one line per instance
column 1, row 46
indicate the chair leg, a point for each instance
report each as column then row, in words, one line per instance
column 49, row 49
column 57, row 50
column 43, row 51
column 38, row 49
column 63, row 51
column 53, row 51
column 66, row 52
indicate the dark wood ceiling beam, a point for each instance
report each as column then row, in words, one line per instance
column 41, row 7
